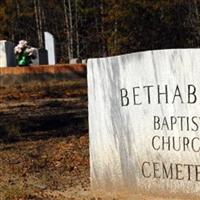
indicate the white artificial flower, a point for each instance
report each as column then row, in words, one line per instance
column 23, row 43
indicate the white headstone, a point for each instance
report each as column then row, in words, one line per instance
column 144, row 122
column 75, row 61
column 50, row 47
column 84, row 61
column 7, row 58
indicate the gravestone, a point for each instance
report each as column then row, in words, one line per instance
column 41, row 57
column 144, row 122
column 75, row 61
column 84, row 61
column 7, row 57
column 50, row 47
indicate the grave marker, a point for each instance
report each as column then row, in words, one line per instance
column 75, row 61
column 50, row 47
column 7, row 57
column 41, row 57
column 144, row 122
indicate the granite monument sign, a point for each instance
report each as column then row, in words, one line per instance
column 144, row 122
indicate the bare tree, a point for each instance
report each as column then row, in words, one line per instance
column 38, row 20
column 70, row 27
column 104, row 49
column 76, row 27
column 69, row 30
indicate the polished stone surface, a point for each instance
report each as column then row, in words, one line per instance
column 41, row 57
column 50, row 47
column 144, row 121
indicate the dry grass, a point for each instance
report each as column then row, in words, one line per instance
column 54, row 168
column 41, row 168
column 43, row 89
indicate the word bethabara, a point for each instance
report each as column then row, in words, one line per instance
column 150, row 94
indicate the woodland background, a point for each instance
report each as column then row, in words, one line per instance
column 44, row 140
column 98, row 28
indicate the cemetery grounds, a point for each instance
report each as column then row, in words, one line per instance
column 44, row 144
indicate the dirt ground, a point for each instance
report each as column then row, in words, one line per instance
column 44, row 144
column 44, row 140
column 52, row 169
column 44, row 169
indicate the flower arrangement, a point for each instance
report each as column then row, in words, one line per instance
column 24, row 53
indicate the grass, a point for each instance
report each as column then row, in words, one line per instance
column 9, row 133
column 40, row 169
column 16, row 192
column 48, row 89
column 43, row 168
column 39, row 108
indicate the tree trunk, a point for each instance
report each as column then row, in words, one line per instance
column 18, row 8
column 67, row 30
column 197, row 24
column 41, row 44
column 104, row 49
column 38, row 20
column 77, row 33
column 70, row 27
column 115, row 36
